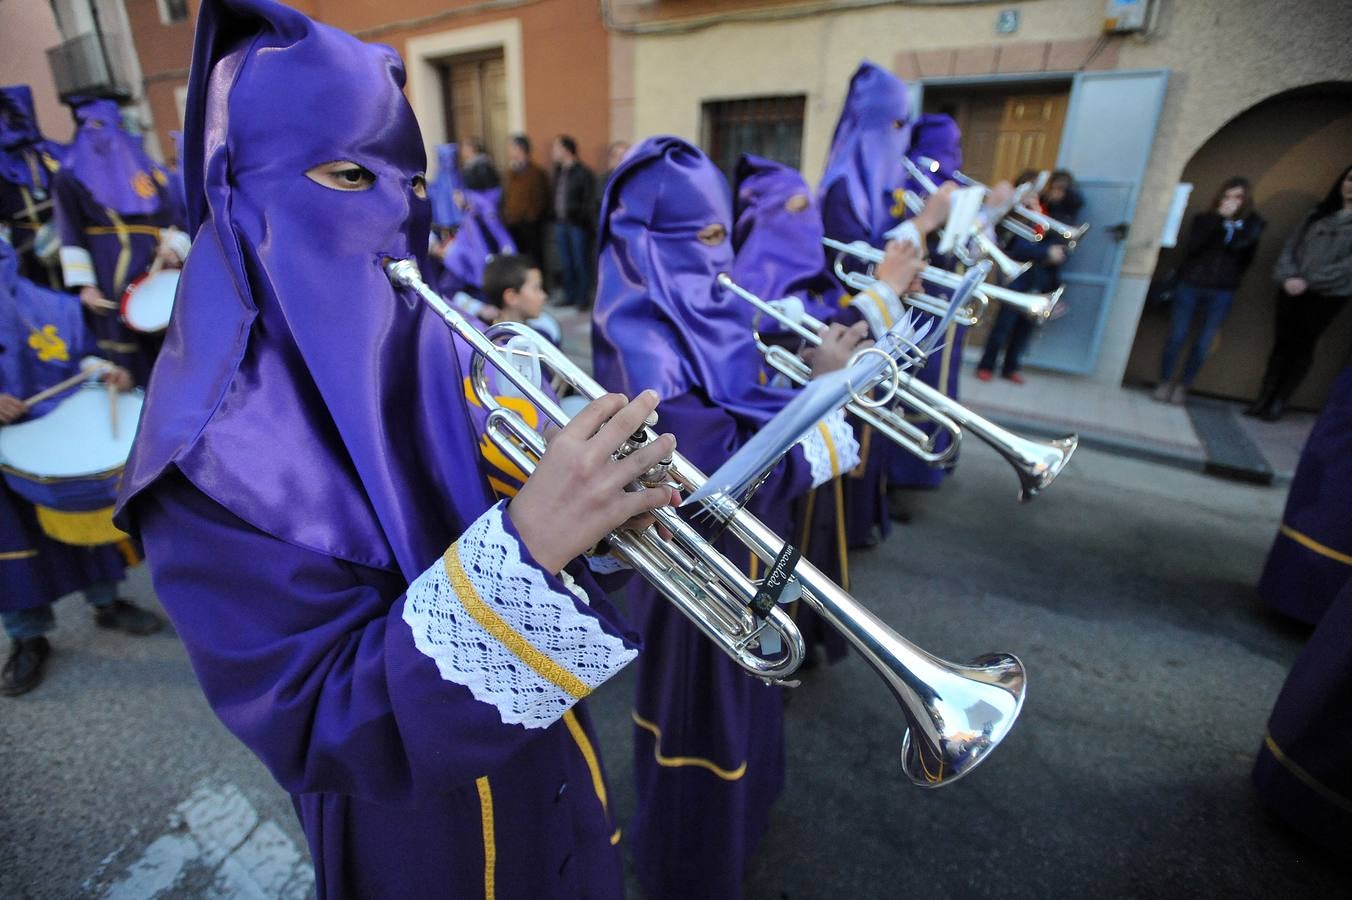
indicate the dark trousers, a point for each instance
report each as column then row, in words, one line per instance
column 1010, row 333
column 529, row 240
column 575, row 258
column 1300, row 322
column 1188, row 299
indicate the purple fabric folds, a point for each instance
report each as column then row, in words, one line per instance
column 358, row 447
column 19, row 132
column 661, row 321
column 858, row 191
column 778, row 237
column 441, row 189
column 110, row 161
column 937, row 137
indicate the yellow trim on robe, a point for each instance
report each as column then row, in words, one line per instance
column 584, row 744
column 809, row 511
column 1304, row 777
column 123, row 232
column 9, row 555
column 676, row 762
column 830, row 447
column 502, row 488
column 1311, row 544
column 119, row 346
column 490, row 841
column 150, row 230
column 82, row 529
column 615, row 838
column 864, row 443
column 504, row 634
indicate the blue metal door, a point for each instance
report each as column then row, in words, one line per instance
column 1110, row 127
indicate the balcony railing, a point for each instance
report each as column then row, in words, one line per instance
column 90, row 64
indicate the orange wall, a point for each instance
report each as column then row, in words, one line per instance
column 565, row 49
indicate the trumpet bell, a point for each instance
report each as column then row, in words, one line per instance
column 1038, row 464
column 966, row 716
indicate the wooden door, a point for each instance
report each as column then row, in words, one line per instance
column 1029, row 133
column 474, row 93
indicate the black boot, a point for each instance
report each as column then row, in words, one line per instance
column 128, row 617
column 23, row 669
column 1266, row 394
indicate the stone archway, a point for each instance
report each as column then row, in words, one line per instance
column 1291, row 147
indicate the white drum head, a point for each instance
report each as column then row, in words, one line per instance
column 148, row 306
column 75, row 439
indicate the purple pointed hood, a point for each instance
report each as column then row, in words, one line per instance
column 296, row 388
column 19, row 132
column 778, row 236
column 937, row 137
column 110, row 161
column 864, row 171
column 441, row 189
column 481, row 234
column 661, row 321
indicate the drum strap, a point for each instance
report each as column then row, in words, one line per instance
column 83, row 529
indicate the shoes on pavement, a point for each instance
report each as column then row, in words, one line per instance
column 127, row 617
column 983, row 374
column 1163, row 391
column 1179, row 395
column 23, row 669
column 1016, row 377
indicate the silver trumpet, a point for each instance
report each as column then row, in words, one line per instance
column 1071, row 233
column 1037, row 307
column 1008, row 267
column 955, row 714
column 1036, row 462
column 887, row 421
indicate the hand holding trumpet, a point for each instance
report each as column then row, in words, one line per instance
column 577, row 494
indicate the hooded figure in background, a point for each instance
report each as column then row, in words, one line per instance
column 860, row 196
column 27, row 163
column 46, row 554
column 306, row 470
column 114, row 212
column 937, row 137
column 777, row 238
column 709, row 754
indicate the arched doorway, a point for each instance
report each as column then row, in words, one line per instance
column 1290, row 147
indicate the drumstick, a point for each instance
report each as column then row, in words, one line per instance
column 69, row 382
column 112, row 408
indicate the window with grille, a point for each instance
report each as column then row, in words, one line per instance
column 172, row 11
column 771, row 127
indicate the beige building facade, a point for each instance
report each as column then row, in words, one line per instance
column 1213, row 59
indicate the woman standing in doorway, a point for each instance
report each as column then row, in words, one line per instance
column 1220, row 246
column 1315, row 277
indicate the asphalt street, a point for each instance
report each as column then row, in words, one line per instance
column 1126, row 589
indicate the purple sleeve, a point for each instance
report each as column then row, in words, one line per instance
column 308, row 661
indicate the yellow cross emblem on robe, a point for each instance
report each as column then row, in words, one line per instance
column 143, row 186
column 898, row 210
column 49, row 345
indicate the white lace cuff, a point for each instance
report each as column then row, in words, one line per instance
column 492, row 621
column 907, row 233
column 880, row 306
column 77, row 267
column 831, row 448
column 606, row 564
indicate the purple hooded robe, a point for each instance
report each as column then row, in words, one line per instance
column 112, row 202
column 27, row 163
column 860, row 199
column 709, row 754
column 314, row 510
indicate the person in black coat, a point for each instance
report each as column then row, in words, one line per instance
column 574, row 220
column 1220, row 245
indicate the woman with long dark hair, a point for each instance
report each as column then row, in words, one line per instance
column 1221, row 243
column 1315, row 277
